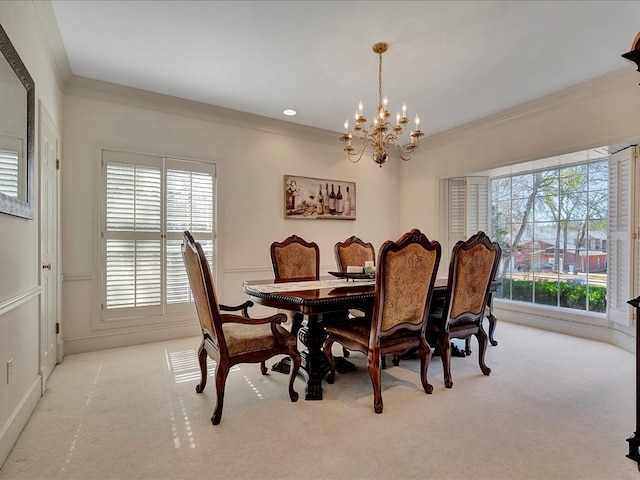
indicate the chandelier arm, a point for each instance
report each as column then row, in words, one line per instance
column 411, row 148
column 390, row 139
column 401, row 151
column 361, row 135
column 355, row 155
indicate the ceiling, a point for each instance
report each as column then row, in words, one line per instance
column 452, row 62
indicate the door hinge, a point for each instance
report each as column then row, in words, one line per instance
column 57, row 164
column 57, row 327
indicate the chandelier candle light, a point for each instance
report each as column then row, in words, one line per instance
column 380, row 133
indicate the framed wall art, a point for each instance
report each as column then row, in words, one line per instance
column 319, row 199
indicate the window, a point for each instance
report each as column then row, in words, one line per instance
column 552, row 226
column 148, row 202
column 565, row 228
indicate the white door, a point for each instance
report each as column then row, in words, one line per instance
column 48, row 155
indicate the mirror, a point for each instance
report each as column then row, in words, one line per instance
column 17, row 133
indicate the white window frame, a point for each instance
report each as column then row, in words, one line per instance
column 163, row 312
column 626, row 232
column 12, row 162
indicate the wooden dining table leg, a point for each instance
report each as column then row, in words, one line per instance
column 314, row 364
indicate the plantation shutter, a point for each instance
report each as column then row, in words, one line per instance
column 457, row 217
column 132, row 233
column 619, row 268
column 477, row 195
column 468, row 208
column 149, row 201
column 190, row 197
column 11, row 159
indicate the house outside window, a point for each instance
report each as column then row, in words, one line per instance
column 566, row 227
column 552, row 227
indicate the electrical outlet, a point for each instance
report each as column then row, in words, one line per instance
column 9, row 370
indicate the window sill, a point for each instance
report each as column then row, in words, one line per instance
column 593, row 326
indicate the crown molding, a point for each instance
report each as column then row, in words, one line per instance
column 111, row 92
column 96, row 89
column 51, row 38
column 613, row 81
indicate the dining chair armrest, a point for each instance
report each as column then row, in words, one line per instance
column 244, row 307
column 273, row 319
column 280, row 333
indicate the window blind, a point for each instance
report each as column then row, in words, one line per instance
column 148, row 202
column 619, row 278
column 9, row 172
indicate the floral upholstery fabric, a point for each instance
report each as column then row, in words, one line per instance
column 354, row 255
column 357, row 330
column 243, row 338
column 295, row 261
column 199, row 292
column 472, row 280
column 408, row 273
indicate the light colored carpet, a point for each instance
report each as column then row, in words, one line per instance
column 554, row 407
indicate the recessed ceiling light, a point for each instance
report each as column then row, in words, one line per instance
column 290, row 112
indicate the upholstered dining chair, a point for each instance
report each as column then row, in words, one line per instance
column 472, row 268
column 353, row 252
column 295, row 260
column 230, row 339
column 404, row 284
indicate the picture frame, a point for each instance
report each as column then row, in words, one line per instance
column 304, row 196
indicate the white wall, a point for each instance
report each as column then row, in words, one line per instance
column 601, row 112
column 252, row 155
column 19, row 244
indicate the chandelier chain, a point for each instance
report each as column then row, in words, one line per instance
column 380, row 80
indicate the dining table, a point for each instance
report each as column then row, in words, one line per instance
column 319, row 301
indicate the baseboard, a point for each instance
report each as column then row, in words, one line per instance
column 11, row 430
column 105, row 340
column 567, row 323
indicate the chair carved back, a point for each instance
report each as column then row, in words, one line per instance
column 404, row 285
column 406, row 273
column 230, row 339
column 204, row 293
column 353, row 251
column 473, row 266
column 295, row 259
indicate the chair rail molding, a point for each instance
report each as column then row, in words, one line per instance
column 20, row 299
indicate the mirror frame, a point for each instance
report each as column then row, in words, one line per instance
column 11, row 205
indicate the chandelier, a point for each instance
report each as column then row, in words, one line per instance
column 380, row 134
